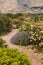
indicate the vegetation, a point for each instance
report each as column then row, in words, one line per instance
column 25, row 26
column 2, row 42
column 30, row 33
column 13, row 57
column 13, row 15
column 5, row 25
column 31, row 25
column 34, row 36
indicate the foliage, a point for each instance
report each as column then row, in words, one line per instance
column 5, row 25
column 34, row 34
column 2, row 42
column 17, row 15
column 25, row 26
column 13, row 57
column 37, row 17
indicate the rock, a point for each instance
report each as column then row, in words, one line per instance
column 21, row 37
column 17, row 6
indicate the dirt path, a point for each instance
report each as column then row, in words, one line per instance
column 8, row 37
column 34, row 60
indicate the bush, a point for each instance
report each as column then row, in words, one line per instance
column 13, row 57
column 2, row 43
column 34, row 36
column 5, row 25
column 25, row 26
column 12, row 16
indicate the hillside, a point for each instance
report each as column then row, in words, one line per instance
column 18, row 5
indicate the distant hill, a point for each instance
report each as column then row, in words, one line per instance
column 13, row 6
column 36, row 2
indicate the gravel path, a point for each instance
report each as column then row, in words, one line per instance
column 34, row 60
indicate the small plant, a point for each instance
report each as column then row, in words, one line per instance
column 13, row 57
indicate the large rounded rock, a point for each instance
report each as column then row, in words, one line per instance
column 21, row 38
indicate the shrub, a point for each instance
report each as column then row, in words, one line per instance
column 5, row 25
column 13, row 57
column 17, row 15
column 2, row 43
column 18, row 26
column 34, row 36
column 25, row 26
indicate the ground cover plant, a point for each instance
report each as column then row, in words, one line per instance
column 13, row 57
